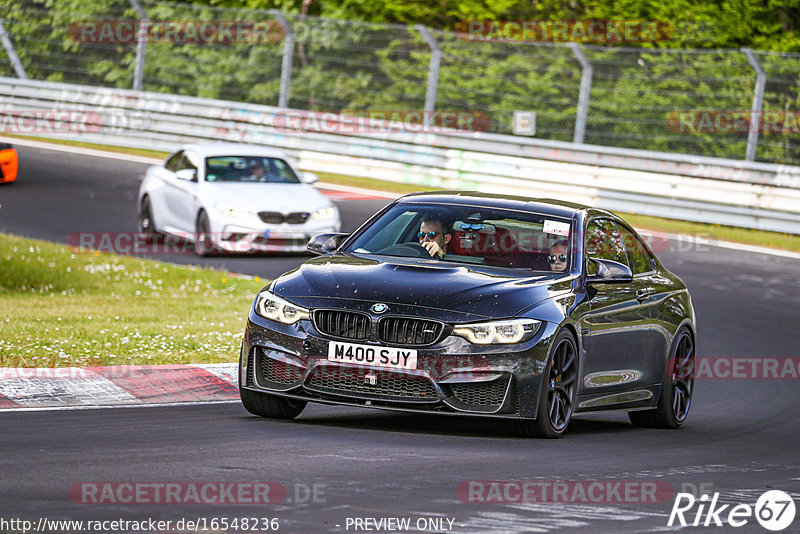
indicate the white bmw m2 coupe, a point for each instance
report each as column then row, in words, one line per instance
column 228, row 198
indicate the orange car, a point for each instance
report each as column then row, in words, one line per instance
column 8, row 163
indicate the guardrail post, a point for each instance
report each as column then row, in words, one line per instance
column 758, row 104
column 433, row 72
column 141, row 46
column 12, row 53
column 288, row 57
column 587, row 71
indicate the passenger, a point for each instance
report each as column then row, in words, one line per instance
column 434, row 234
column 558, row 256
column 257, row 171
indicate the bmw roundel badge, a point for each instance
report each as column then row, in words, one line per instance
column 379, row 307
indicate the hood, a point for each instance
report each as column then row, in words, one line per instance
column 455, row 289
column 285, row 198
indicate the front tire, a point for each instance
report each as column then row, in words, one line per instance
column 146, row 225
column 678, row 387
column 265, row 405
column 203, row 243
column 558, row 391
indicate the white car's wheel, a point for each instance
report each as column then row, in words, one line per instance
column 146, row 225
column 203, row 242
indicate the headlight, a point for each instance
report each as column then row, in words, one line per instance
column 234, row 212
column 271, row 306
column 510, row 331
column 324, row 214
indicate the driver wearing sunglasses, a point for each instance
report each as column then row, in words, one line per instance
column 558, row 256
column 433, row 236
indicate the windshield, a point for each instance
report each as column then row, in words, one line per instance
column 249, row 169
column 469, row 234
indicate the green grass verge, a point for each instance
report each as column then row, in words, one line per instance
column 63, row 308
column 709, row 231
column 716, row 232
column 371, row 183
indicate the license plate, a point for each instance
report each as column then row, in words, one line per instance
column 272, row 234
column 392, row 357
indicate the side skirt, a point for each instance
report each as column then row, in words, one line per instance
column 641, row 398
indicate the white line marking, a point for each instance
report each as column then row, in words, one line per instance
column 81, row 151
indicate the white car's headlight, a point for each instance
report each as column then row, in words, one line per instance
column 509, row 331
column 271, row 306
column 234, row 212
column 323, row 214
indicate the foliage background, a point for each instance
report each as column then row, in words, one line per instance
column 366, row 55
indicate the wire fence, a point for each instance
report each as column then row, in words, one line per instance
column 683, row 101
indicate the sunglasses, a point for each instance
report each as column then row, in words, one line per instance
column 430, row 234
column 467, row 226
column 557, row 258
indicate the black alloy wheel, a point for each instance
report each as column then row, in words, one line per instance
column 677, row 389
column 559, row 389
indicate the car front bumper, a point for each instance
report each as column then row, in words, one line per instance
column 236, row 238
column 452, row 376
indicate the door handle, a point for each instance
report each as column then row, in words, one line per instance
column 642, row 294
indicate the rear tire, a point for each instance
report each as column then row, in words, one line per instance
column 558, row 391
column 676, row 392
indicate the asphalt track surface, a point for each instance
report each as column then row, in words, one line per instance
column 741, row 439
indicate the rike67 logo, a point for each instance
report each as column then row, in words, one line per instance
column 774, row 510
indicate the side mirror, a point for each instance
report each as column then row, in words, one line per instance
column 190, row 175
column 609, row 272
column 326, row 243
column 309, row 177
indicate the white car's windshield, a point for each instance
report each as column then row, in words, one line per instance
column 249, row 169
column 470, row 234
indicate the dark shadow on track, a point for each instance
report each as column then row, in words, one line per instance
column 442, row 425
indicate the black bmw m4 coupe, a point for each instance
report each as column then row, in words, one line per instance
column 530, row 310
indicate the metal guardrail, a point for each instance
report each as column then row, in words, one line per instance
column 728, row 192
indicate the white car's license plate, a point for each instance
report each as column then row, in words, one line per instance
column 272, row 234
column 392, row 357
